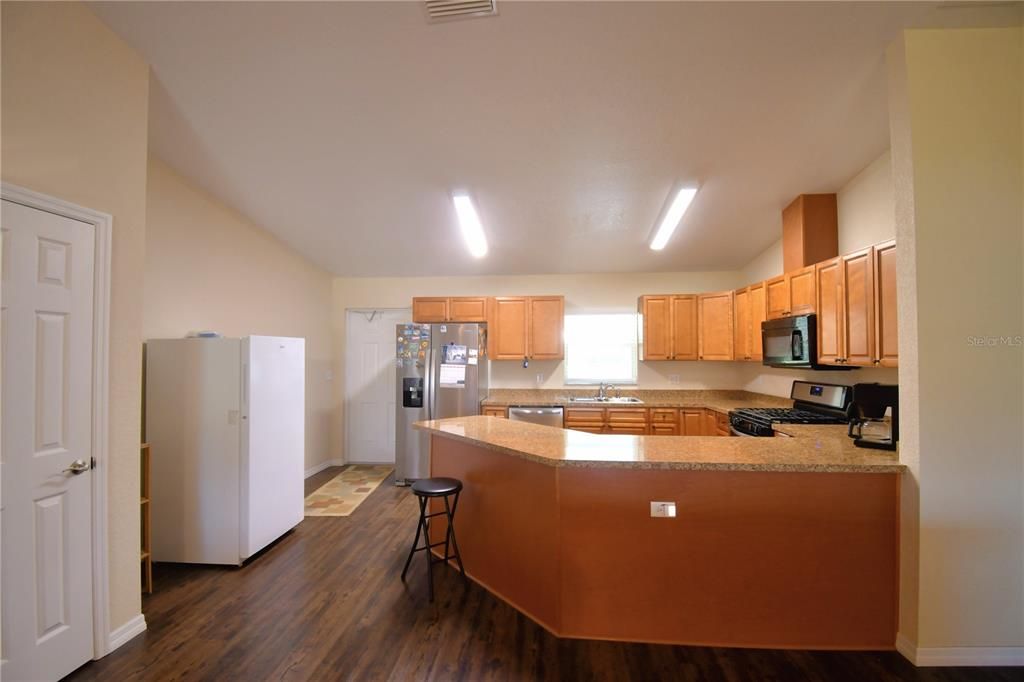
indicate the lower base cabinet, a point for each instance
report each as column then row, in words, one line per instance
column 655, row 421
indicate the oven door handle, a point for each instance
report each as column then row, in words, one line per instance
column 736, row 432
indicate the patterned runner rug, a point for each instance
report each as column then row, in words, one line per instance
column 342, row 494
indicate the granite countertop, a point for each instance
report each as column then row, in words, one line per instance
column 720, row 401
column 823, row 451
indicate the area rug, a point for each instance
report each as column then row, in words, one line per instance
column 342, row 494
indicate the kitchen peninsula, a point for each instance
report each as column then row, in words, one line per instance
column 752, row 542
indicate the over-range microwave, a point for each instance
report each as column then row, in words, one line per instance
column 792, row 342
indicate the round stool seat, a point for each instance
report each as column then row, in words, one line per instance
column 436, row 487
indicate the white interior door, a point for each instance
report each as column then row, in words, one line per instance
column 370, row 384
column 47, row 306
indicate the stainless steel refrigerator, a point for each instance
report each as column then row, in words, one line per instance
column 442, row 372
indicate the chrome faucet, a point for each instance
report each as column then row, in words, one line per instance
column 603, row 389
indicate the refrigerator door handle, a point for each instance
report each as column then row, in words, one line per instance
column 431, row 384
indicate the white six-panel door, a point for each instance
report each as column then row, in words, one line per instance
column 370, row 384
column 46, row 519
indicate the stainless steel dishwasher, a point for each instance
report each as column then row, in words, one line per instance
column 548, row 416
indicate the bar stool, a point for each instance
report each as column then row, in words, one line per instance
column 424, row 489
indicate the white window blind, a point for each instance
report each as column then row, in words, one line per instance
column 600, row 347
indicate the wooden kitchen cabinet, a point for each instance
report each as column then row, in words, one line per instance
column 691, row 421
column 846, row 310
column 830, row 311
column 545, row 321
column 710, row 424
column 494, row 411
column 791, row 294
column 669, row 327
column 741, row 324
column 432, row 309
column 886, row 337
column 526, row 327
column 664, row 421
column 758, row 314
column 749, row 313
column 429, row 309
column 629, row 420
column 715, row 322
column 508, row 328
column 858, row 304
column 467, row 309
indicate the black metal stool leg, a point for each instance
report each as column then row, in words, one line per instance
column 416, row 541
column 451, row 533
column 427, row 552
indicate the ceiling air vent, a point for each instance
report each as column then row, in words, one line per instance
column 443, row 10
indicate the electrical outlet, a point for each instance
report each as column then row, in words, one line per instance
column 540, row 378
column 663, row 510
column 673, row 378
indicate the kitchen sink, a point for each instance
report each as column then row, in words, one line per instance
column 615, row 401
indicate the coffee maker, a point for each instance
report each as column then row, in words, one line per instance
column 867, row 409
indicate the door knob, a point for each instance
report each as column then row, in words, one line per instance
column 77, row 467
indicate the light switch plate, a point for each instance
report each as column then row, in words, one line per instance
column 673, row 378
column 663, row 510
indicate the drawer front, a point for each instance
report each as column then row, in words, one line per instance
column 627, row 414
column 495, row 412
column 637, row 430
column 663, row 414
column 664, row 429
column 584, row 414
column 585, row 429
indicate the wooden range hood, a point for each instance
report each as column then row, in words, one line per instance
column 810, row 231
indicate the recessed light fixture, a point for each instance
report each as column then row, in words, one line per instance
column 469, row 221
column 672, row 217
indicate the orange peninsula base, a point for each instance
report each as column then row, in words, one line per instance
column 793, row 560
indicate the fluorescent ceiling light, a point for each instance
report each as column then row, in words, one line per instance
column 469, row 221
column 672, row 217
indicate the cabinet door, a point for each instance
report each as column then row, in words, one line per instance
column 858, row 299
column 710, row 424
column 758, row 314
column 715, row 322
column 691, row 422
column 427, row 310
column 508, row 336
column 801, row 291
column 887, row 352
column 546, row 318
column 589, row 419
column 830, row 311
column 657, row 329
column 741, row 324
column 777, row 296
column 467, row 309
column 684, row 327
column 626, row 416
column 638, row 430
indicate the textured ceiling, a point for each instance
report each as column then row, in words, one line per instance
column 342, row 127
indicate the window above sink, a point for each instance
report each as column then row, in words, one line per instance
column 601, row 347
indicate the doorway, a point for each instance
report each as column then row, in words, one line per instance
column 55, row 297
column 370, row 391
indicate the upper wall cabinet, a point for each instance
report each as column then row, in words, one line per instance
column 715, row 323
column 669, row 327
column 749, row 312
column 453, row 309
column 793, row 293
column 886, row 339
column 524, row 327
column 857, row 308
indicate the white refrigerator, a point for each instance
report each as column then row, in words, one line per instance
column 225, row 419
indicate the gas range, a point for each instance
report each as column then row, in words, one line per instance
column 812, row 404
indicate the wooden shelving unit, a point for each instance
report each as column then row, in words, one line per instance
column 144, row 505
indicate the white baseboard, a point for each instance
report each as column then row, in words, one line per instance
column 122, row 635
column 959, row 655
column 317, row 468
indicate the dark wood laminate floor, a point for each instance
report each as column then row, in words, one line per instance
column 326, row 603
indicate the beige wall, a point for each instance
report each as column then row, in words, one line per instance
column 957, row 140
column 207, row 267
column 74, row 118
column 866, row 217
